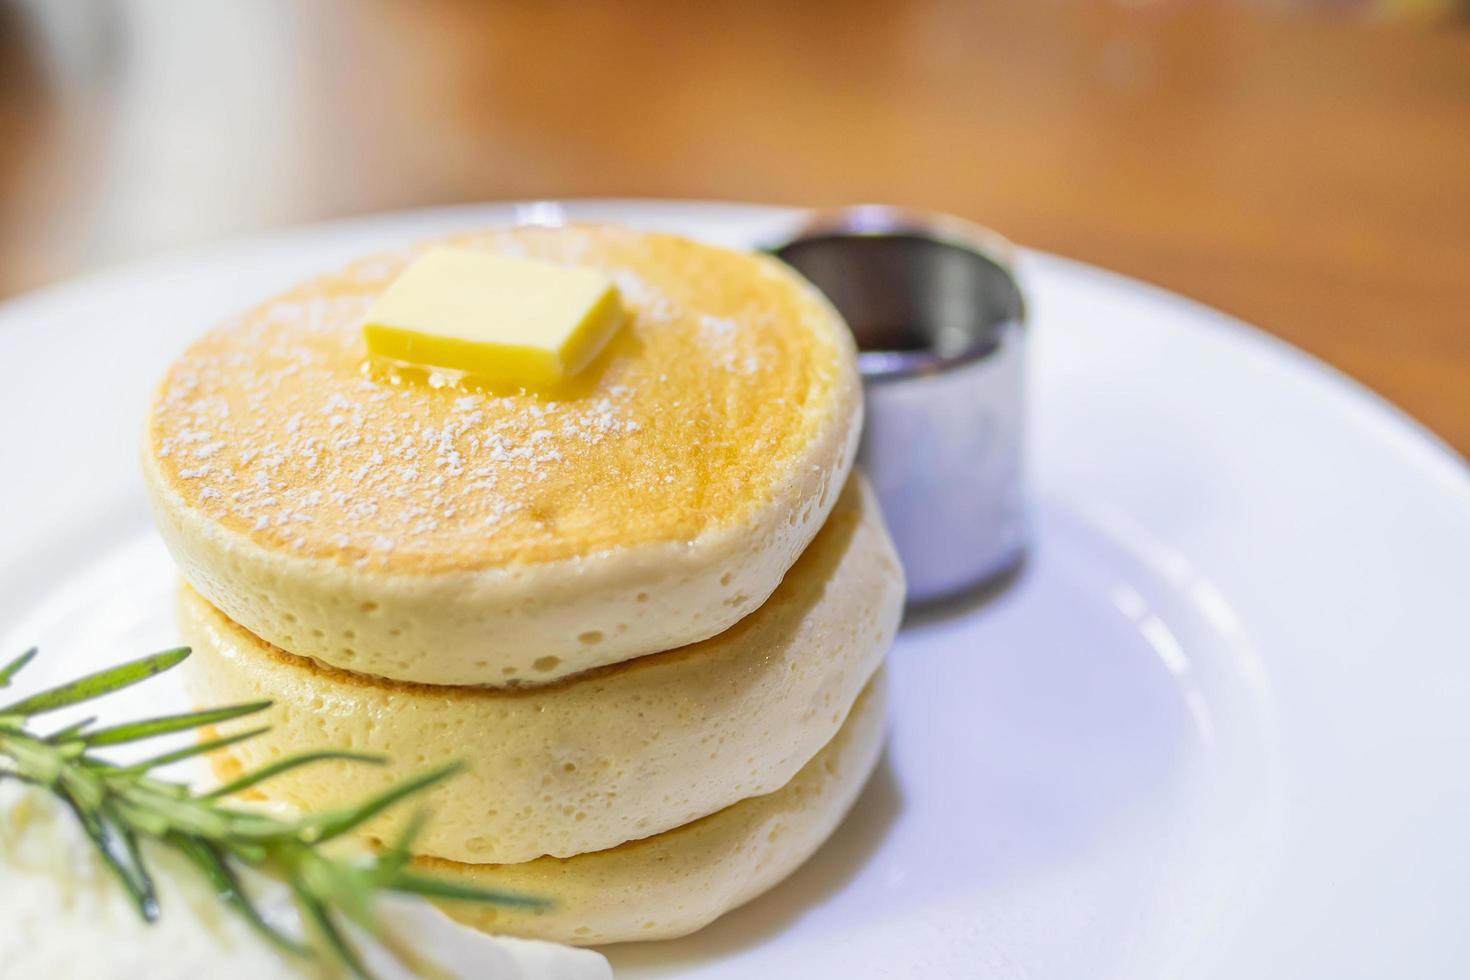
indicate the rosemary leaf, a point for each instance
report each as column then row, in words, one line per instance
column 95, row 685
column 396, row 858
column 430, row 887
column 286, row 765
column 71, row 731
column 217, row 871
column 121, row 807
column 8, row 672
column 106, row 845
column 317, row 917
column 344, row 886
column 338, row 822
column 190, row 751
column 167, row 725
column 139, row 870
column 150, row 800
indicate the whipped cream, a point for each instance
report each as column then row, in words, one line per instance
column 64, row 916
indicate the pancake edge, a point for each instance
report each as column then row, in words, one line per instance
column 739, row 853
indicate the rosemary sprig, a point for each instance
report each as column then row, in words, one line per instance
column 119, row 806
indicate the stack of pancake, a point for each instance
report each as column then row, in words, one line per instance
column 649, row 611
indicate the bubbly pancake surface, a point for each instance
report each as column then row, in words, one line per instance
column 676, row 882
column 617, row 754
column 271, row 426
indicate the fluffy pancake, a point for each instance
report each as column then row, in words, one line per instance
column 584, row 764
column 440, row 534
column 681, row 880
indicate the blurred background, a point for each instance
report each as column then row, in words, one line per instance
column 1303, row 165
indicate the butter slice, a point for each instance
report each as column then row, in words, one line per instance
column 505, row 320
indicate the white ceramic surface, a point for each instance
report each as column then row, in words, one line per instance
column 1217, row 727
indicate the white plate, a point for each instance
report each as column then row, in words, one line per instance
column 1219, row 727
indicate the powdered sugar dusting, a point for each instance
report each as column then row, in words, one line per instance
column 481, row 455
column 273, row 425
column 721, row 337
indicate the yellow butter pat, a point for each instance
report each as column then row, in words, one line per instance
column 505, row 320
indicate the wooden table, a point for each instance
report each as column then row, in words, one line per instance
column 1310, row 176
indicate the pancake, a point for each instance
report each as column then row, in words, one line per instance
column 423, row 530
column 681, row 880
column 581, row 765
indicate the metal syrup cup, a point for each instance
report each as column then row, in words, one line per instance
column 940, row 323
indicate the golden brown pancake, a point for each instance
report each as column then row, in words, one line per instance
column 425, row 530
column 681, row 880
column 584, row 764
